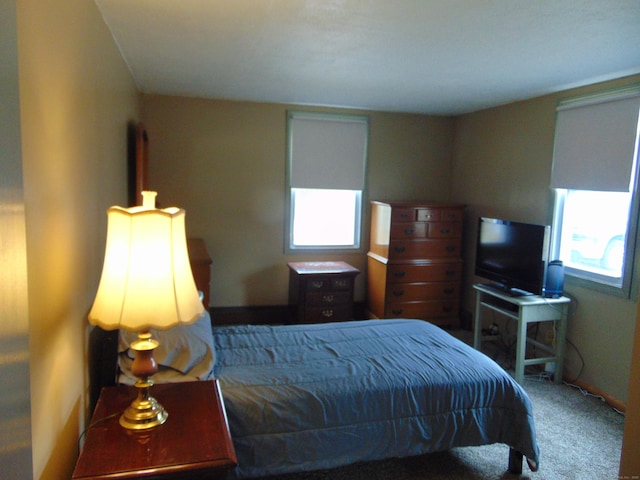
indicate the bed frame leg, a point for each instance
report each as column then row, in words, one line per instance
column 515, row 461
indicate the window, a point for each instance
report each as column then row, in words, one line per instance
column 326, row 165
column 594, row 177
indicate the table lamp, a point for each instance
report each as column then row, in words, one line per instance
column 146, row 283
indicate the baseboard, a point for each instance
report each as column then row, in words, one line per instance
column 611, row 400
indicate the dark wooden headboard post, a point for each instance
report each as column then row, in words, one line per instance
column 103, row 362
column 200, row 266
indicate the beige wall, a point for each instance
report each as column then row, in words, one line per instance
column 76, row 97
column 501, row 167
column 224, row 162
column 15, row 421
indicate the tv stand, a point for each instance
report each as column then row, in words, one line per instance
column 511, row 292
column 525, row 310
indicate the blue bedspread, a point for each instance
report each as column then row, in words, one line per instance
column 307, row 397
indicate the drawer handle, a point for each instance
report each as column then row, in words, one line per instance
column 449, row 291
column 409, row 231
column 328, row 299
column 451, row 248
column 445, row 231
column 404, row 215
column 327, row 313
column 398, row 293
column 341, row 283
column 317, row 283
column 399, row 249
column 399, row 274
column 450, row 273
column 396, row 311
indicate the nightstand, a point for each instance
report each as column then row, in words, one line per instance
column 193, row 443
column 321, row 291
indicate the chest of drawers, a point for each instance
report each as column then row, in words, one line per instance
column 321, row 291
column 415, row 261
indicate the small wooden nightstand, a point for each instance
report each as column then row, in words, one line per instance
column 193, row 443
column 321, row 291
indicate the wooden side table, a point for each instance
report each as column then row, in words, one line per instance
column 321, row 291
column 193, row 443
column 525, row 310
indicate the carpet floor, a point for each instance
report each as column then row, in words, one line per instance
column 579, row 435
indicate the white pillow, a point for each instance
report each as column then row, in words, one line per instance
column 184, row 353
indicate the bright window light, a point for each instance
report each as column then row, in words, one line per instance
column 325, row 218
column 594, row 230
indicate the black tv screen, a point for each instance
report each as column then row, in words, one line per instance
column 512, row 255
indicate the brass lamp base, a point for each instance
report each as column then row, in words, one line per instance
column 144, row 412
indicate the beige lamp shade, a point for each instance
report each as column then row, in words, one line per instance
column 146, row 278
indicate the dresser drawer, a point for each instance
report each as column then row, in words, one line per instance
column 407, row 230
column 416, row 249
column 444, row 230
column 407, row 292
column 451, row 215
column 437, row 272
column 404, row 215
column 422, row 310
column 329, row 298
column 428, row 214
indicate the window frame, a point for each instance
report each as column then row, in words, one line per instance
column 358, row 246
column 630, row 286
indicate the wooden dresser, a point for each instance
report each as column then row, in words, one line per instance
column 415, row 261
column 321, row 291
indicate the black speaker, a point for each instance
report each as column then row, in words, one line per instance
column 554, row 283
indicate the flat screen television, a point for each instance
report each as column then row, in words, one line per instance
column 512, row 255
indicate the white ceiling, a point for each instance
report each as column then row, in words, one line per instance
column 425, row 56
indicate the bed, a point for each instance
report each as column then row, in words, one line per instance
column 309, row 397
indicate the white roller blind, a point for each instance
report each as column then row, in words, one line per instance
column 327, row 151
column 595, row 143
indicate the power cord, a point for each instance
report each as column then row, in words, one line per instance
column 95, row 423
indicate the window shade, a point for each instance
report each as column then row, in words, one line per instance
column 327, row 151
column 595, row 143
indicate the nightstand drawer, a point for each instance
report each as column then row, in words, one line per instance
column 329, row 298
column 336, row 313
column 315, row 283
